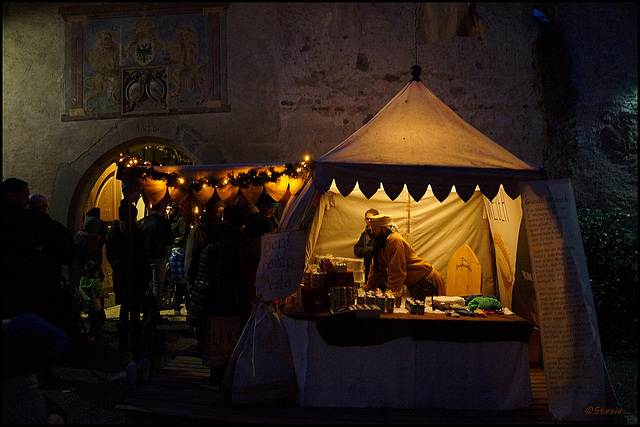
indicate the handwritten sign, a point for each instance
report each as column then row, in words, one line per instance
column 281, row 264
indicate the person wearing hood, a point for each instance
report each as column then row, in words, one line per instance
column 104, row 228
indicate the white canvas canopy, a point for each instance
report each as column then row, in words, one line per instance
column 417, row 141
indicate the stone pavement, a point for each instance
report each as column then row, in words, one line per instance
column 89, row 385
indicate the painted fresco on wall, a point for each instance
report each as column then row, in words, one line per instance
column 144, row 62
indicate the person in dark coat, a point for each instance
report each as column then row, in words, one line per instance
column 214, row 209
column 268, row 208
column 257, row 225
column 131, row 272
column 158, row 238
column 364, row 246
column 34, row 249
column 217, row 290
column 174, row 283
column 55, row 245
column 19, row 254
column 89, row 265
column 179, row 225
column 87, row 247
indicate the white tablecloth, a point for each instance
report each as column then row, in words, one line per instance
column 404, row 373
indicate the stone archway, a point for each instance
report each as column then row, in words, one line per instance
column 87, row 182
column 74, row 181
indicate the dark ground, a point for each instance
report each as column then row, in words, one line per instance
column 621, row 360
column 89, row 388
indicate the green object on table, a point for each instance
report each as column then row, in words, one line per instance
column 484, row 303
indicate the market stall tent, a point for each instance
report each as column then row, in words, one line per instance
column 438, row 177
column 446, row 185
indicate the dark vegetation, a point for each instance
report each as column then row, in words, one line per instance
column 611, row 247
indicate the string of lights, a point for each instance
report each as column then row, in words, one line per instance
column 141, row 169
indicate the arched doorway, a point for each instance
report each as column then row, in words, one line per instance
column 106, row 191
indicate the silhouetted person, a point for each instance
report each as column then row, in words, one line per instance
column 131, row 273
column 104, row 227
column 157, row 236
column 34, row 249
column 55, row 245
column 89, row 270
column 218, row 288
column 212, row 214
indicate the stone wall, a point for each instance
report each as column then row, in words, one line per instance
column 301, row 77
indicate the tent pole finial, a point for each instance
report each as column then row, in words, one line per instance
column 416, row 70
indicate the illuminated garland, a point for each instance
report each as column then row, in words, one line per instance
column 140, row 169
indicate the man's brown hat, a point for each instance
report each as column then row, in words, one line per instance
column 381, row 220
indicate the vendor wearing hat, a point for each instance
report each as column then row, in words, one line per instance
column 395, row 261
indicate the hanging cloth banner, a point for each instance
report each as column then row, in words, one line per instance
column 504, row 215
column 577, row 382
column 281, row 264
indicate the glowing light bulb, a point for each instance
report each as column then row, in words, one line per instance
column 307, row 158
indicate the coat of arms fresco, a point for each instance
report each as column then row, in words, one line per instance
column 146, row 64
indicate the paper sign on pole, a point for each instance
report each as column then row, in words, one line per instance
column 281, row 265
column 578, row 386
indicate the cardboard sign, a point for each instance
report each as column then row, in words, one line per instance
column 221, row 336
column 282, row 258
column 464, row 273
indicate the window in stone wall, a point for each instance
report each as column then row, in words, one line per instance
column 144, row 59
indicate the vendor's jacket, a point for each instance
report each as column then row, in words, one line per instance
column 400, row 265
column 364, row 249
